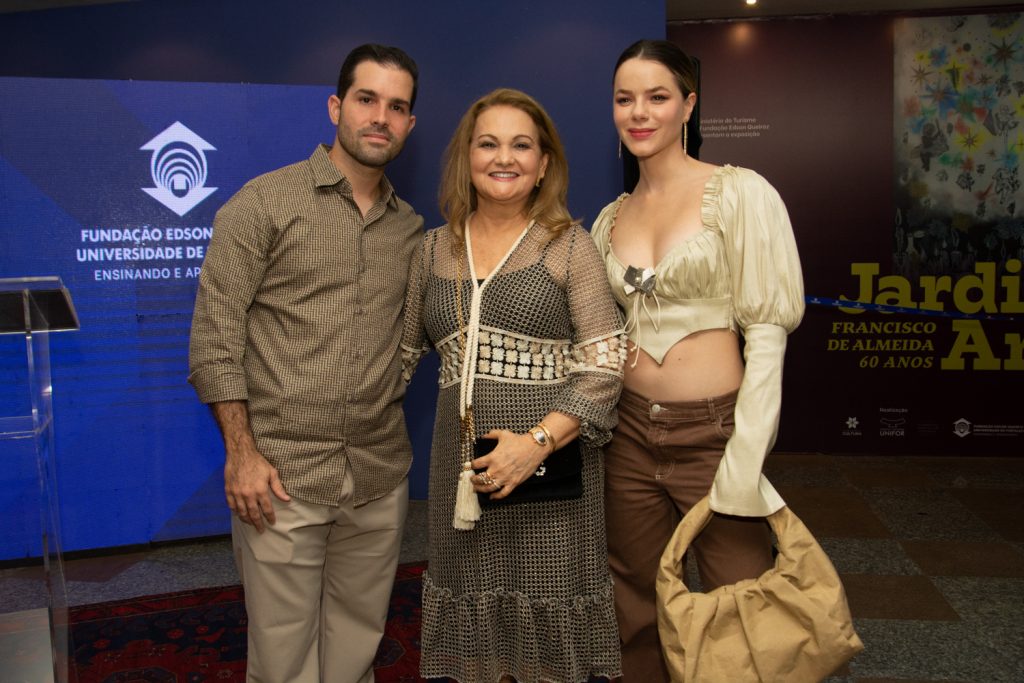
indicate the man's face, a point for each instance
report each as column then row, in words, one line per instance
column 373, row 118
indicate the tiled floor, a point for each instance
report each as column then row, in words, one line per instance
column 931, row 551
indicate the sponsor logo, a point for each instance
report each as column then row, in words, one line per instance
column 892, row 422
column 852, row 427
column 961, row 427
column 178, row 167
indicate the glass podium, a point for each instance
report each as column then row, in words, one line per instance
column 31, row 308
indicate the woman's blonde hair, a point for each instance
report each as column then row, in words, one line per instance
column 547, row 203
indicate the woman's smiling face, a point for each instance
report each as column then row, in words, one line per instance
column 649, row 109
column 505, row 157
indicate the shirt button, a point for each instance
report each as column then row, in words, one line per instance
column 656, row 408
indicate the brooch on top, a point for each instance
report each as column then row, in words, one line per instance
column 639, row 280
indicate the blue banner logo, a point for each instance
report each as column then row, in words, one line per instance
column 178, row 167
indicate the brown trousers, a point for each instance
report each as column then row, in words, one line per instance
column 661, row 461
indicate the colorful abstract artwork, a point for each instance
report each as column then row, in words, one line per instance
column 959, row 139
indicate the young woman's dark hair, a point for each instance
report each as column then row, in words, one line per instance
column 669, row 56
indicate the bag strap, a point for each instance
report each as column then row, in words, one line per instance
column 689, row 528
column 782, row 521
column 793, row 538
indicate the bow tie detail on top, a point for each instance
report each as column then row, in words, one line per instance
column 640, row 282
column 636, row 279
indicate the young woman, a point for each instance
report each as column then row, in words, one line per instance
column 698, row 256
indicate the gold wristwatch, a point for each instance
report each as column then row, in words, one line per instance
column 543, row 437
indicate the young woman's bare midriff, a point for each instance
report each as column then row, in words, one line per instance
column 699, row 366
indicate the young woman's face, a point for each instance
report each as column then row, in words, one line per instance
column 649, row 109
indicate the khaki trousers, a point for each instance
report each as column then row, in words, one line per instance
column 317, row 585
column 662, row 459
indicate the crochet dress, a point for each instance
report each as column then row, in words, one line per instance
column 527, row 592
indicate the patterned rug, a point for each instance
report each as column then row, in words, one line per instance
column 197, row 636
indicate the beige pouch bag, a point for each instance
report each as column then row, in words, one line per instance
column 790, row 625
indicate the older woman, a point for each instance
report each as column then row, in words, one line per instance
column 512, row 294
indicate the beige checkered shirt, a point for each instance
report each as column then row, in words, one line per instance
column 299, row 313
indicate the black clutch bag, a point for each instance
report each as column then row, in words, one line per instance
column 559, row 477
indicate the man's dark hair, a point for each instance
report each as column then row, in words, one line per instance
column 384, row 55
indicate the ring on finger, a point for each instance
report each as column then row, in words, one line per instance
column 486, row 480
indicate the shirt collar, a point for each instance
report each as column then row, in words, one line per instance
column 326, row 174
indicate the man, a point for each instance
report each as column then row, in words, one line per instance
column 294, row 345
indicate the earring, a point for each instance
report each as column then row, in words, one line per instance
column 539, row 178
column 686, row 127
column 620, row 148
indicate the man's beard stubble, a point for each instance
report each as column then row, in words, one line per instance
column 373, row 158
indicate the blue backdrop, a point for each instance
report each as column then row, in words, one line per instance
column 88, row 95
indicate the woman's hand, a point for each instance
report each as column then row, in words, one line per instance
column 513, row 461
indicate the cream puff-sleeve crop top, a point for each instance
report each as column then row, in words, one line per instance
column 740, row 272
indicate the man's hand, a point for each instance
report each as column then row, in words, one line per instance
column 248, row 477
column 248, row 481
